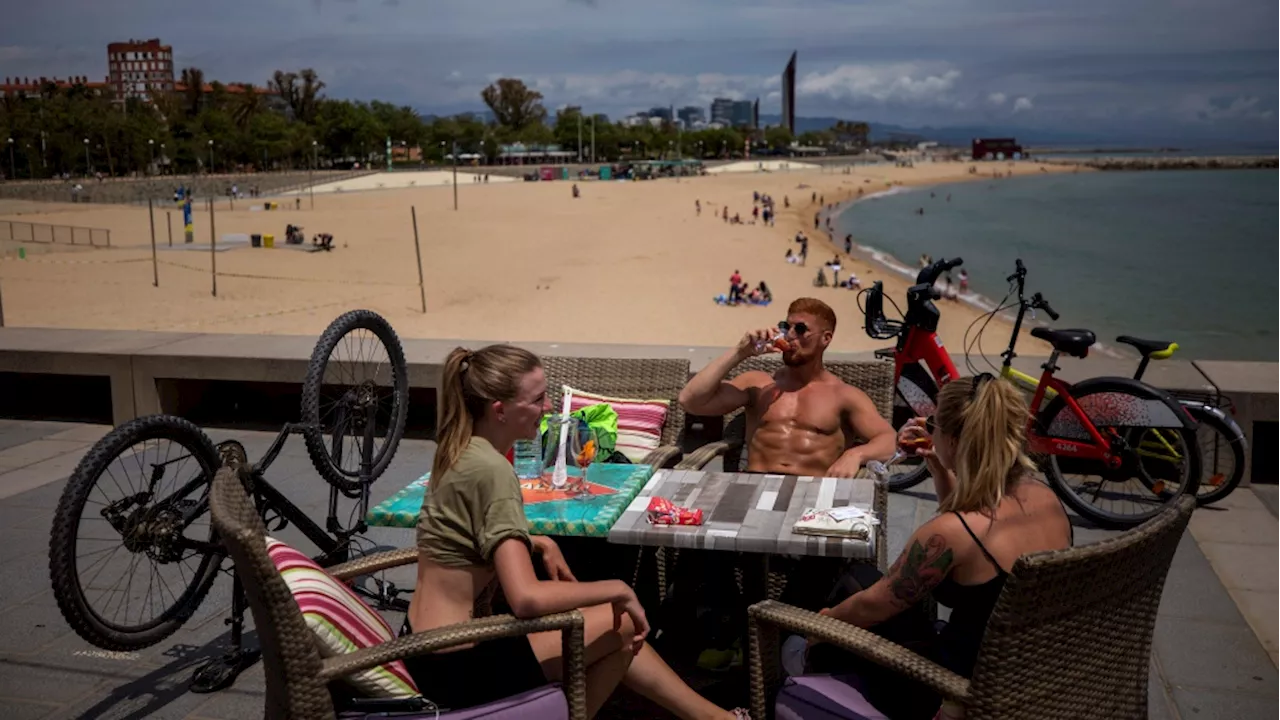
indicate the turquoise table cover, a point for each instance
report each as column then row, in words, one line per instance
column 613, row 487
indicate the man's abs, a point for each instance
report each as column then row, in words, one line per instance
column 789, row 449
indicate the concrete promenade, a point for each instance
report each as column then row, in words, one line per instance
column 1214, row 653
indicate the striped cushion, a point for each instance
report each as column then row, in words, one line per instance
column 639, row 421
column 341, row 621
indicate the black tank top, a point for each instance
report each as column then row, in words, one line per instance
column 971, row 607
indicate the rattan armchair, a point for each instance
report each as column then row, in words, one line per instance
column 875, row 378
column 299, row 680
column 634, row 379
column 1070, row 636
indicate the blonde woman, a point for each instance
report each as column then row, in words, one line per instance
column 472, row 532
column 991, row 510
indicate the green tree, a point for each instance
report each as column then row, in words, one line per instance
column 515, row 106
column 778, row 138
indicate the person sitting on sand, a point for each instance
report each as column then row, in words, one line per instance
column 575, row 190
column 762, row 293
column 786, row 201
column 792, row 257
column 697, row 207
column 802, row 420
column 821, row 280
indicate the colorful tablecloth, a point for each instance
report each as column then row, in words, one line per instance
column 550, row 512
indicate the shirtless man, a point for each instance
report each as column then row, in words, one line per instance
column 803, row 420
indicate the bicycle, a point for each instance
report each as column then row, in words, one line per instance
column 1222, row 443
column 1095, row 427
column 352, row 423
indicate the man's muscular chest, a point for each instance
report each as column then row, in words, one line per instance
column 815, row 409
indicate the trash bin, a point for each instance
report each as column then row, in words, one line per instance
column 269, row 240
column 255, row 240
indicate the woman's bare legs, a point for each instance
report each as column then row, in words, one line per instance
column 610, row 663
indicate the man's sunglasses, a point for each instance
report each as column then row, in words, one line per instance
column 799, row 328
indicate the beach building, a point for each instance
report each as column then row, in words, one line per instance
column 139, row 68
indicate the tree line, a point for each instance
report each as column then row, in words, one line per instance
column 80, row 130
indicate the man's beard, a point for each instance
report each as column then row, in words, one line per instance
column 791, row 359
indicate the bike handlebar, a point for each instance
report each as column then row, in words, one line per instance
column 1038, row 302
column 930, row 274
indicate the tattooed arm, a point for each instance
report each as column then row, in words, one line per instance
column 926, row 561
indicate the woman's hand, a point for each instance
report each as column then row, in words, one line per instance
column 915, row 431
column 630, row 605
column 552, row 559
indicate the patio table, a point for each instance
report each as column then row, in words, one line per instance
column 550, row 512
column 754, row 513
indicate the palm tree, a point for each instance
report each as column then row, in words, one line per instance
column 308, row 95
column 193, row 79
column 247, row 106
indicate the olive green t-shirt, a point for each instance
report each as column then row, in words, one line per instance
column 472, row 507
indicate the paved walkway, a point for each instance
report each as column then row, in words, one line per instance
column 1208, row 660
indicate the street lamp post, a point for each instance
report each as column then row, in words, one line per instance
column 88, row 164
column 162, row 153
column 210, row 157
column 13, row 173
column 454, row 144
column 151, row 145
column 311, row 184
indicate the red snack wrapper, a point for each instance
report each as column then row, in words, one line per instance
column 662, row 512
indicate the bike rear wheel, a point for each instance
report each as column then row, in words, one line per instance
column 1222, row 452
column 132, row 552
column 1146, row 482
column 356, row 393
column 915, row 396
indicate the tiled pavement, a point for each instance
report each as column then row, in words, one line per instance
column 1209, row 660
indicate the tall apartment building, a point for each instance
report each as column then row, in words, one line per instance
column 789, row 95
column 138, row 68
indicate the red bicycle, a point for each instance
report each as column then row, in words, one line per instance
column 1116, row 450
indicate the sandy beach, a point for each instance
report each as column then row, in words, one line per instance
column 628, row 262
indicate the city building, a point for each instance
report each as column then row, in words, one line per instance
column 663, row 113
column 789, row 95
column 139, row 69
column 722, row 111
column 742, row 114
column 29, row 87
column 691, row 115
column 755, row 114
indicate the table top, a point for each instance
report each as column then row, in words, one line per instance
column 550, row 512
column 749, row 512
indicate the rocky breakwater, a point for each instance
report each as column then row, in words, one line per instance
column 1230, row 162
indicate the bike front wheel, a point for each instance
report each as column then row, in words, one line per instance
column 355, row 399
column 916, row 395
column 1159, row 456
column 132, row 552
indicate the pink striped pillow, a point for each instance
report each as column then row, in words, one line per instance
column 341, row 621
column 639, row 421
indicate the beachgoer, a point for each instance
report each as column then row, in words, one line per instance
column 924, row 260
column 814, row 197
column 765, row 294
column 822, row 199
column 802, row 420
column 791, row 257
column 786, row 201
column 919, row 211
column 755, row 212
column 853, row 283
column 575, row 190
column 848, row 244
column 816, row 221
column 697, row 207
column 992, row 510
column 472, row 533
column 964, row 280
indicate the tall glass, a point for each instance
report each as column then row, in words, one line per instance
column 568, row 471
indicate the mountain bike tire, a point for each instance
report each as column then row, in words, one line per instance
column 327, row 430
column 916, row 395
column 1222, row 452
column 95, row 473
column 1128, row 408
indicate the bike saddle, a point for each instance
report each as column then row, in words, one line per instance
column 1072, row 342
column 1154, row 349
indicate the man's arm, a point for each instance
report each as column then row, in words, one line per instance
column 709, row 394
column 866, row 422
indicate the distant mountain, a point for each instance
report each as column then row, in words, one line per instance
column 957, row 136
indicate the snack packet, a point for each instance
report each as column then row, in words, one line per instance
column 662, row 512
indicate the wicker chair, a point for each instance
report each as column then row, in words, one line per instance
column 1070, row 637
column 299, row 679
column 648, row 379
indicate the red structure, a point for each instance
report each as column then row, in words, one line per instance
column 996, row 149
column 31, row 87
column 139, row 69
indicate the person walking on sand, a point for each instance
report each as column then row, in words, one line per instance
column 848, row 244
column 697, row 207
column 964, row 280
column 786, row 201
column 817, row 221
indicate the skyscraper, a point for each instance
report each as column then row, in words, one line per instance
column 691, row 114
column 789, row 95
column 722, row 111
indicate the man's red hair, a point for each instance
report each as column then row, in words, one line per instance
column 816, row 308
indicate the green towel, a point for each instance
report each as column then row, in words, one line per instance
column 604, row 420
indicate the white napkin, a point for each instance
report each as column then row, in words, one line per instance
column 844, row 522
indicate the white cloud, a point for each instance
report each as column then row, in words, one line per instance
column 1022, row 103
column 1209, row 109
column 997, row 98
column 907, row 83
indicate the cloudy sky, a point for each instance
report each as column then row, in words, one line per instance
column 1204, row 69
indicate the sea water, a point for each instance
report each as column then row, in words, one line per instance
column 1187, row 256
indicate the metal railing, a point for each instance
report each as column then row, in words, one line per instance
column 33, row 232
